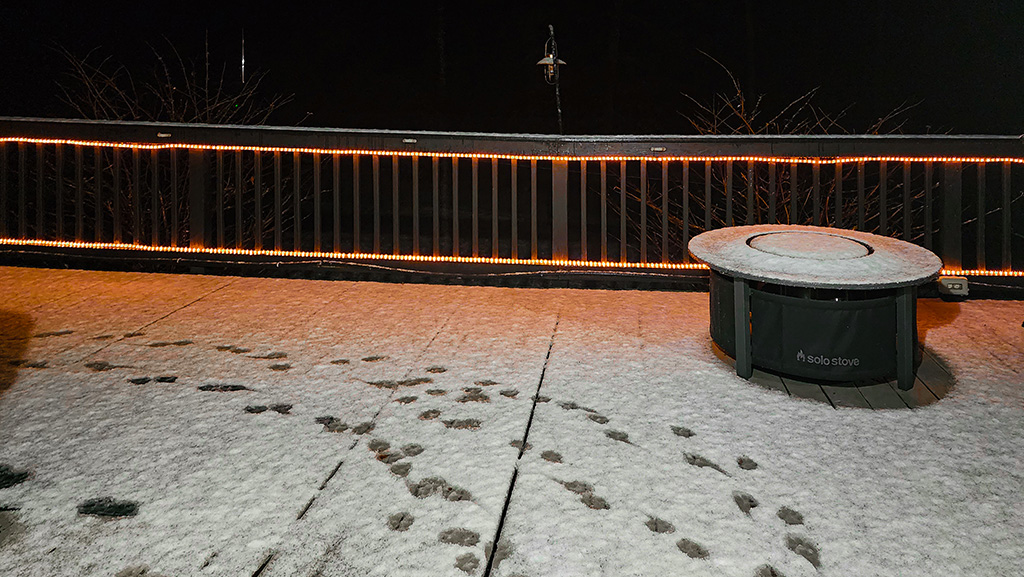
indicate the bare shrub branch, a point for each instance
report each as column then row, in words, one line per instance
column 174, row 90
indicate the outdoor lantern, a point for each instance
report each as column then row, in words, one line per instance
column 551, row 62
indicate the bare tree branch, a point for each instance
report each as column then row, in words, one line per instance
column 179, row 92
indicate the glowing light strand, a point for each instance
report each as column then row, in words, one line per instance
column 351, row 255
column 343, row 256
column 470, row 155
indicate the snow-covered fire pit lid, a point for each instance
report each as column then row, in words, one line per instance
column 812, row 256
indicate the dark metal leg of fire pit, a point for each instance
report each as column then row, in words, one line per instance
column 741, row 298
column 905, row 338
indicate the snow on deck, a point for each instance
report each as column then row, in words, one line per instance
column 292, row 427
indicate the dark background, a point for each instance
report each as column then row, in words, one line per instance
column 381, row 64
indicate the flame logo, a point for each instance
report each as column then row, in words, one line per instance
column 800, row 356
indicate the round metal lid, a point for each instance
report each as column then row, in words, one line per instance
column 818, row 257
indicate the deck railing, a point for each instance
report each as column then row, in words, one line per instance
column 548, row 201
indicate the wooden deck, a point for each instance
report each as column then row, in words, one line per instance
column 932, row 383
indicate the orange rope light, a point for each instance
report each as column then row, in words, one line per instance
column 411, row 153
column 417, row 258
column 980, row 272
column 351, row 255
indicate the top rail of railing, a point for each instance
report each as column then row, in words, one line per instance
column 525, row 145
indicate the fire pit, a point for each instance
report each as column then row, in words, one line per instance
column 815, row 302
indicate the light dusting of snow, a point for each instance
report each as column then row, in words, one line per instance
column 935, row 490
column 798, row 255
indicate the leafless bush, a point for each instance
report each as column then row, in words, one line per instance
column 175, row 89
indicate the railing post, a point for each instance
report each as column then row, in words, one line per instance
column 560, row 209
column 197, row 170
column 952, row 216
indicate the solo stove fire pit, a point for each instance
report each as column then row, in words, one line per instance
column 821, row 303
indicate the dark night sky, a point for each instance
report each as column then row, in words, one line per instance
column 377, row 64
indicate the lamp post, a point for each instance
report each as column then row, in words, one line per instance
column 551, row 62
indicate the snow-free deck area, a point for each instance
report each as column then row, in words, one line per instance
column 278, row 427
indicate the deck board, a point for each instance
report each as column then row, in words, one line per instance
column 803, row 389
column 845, row 396
column 934, row 376
column 768, row 381
column 883, row 396
column 919, row 396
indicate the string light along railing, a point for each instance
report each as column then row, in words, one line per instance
column 500, row 156
column 359, row 256
column 342, row 256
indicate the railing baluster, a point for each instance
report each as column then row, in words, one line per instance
column 533, row 209
column 952, row 215
column 238, row 198
column 928, row 205
column 559, row 209
column 436, row 190
column 154, row 159
column 174, row 197
column 794, row 205
column 198, row 194
column 686, row 210
column 839, row 196
column 277, row 200
column 772, row 201
column 317, row 213
column 664, row 210
column 728, row 193
column 623, row 242
column 604, row 211
column 257, row 197
column 751, row 193
column 58, row 168
column 80, row 192
column 117, row 153
column 97, row 166
column 980, row 228
column 40, row 207
column 22, row 203
column 583, row 209
column 474, row 165
column 515, row 208
column 395, row 210
column 355, row 203
column 455, row 206
column 376, row 203
column 494, row 208
column 336, row 204
column 1007, row 262
column 816, row 194
column 416, row 205
column 220, row 198
column 860, row 195
column 707, row 195
column 297, row 201
column 79, row 180
column 643, row 210
column 3, row 190
column 883, row 198
column 907, row 214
